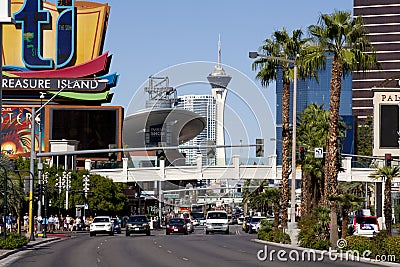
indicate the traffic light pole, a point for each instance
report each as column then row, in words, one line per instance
column 32, row 171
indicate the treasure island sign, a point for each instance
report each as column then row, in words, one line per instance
column 53, row 47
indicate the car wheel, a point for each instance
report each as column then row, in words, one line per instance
column 112, row 233
column 148, row 233
column 185, row 233
column 167, row 233
column 92, row 234
column 207, row 232
column 227, row 232
column 127, row 233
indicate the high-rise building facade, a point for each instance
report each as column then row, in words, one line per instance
column 382, row 21
column 205, row 106
column 310, row 91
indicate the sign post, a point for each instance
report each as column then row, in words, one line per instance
column 319, row 152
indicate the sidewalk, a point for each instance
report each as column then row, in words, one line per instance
column 38, row 240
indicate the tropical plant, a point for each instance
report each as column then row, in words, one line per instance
column 346, row 201
column 312, row 132
column 387, row 173
column 314, row 229
column 344, row 38
column 282, row 49
column 365, row 140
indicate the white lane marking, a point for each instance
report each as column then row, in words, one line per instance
column 169, row 251
column 185, row 259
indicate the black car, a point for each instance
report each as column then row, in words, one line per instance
column 137, row 224
column 117, row 226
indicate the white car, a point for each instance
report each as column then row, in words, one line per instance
column 217, row 221
column 102, row 225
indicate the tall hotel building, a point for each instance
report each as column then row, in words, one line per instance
column 204, row 105
column 382, row 21
column 310, row 91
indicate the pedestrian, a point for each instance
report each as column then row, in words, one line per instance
column 8, row 222
column 51, row 224
column 26, row 222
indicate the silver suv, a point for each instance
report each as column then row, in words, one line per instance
column 102, row 225
column 217, row 221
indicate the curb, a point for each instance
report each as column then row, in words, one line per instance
column 321, row 252
column 29, row 245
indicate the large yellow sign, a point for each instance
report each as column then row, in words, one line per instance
column 90, row 23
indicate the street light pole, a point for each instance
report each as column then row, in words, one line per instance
column 32, row 162
column 40, row 165
column 32, row 171
column 293, row 187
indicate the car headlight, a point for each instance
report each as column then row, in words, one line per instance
column 167, row 225
column 145, row 224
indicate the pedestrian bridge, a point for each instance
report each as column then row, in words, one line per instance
column 235, row 171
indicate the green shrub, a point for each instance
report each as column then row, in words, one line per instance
column 278, row 236
column 13, row 241
column 378, row 243
column 265, row 228
column 358, row 243
column 312, row 234
column 392, row 247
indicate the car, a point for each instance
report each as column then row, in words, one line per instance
column 189, row 225
column 176, row 225
column 245, row 223
column 117, row 225
column 217, row 221
column 365, row 225
column 101, row 225
column 197, row 217
column 240, row 220
column 254, row 223
column 137, row 224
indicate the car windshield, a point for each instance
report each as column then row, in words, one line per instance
column 101, row 220
column 174, row 221
column 217, row 215
column 197, row 215
column 366, row 220
column 138, row 219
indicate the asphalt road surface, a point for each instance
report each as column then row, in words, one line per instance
column 195, row 249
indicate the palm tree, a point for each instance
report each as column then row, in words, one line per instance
column 346, row 200
column 312, row 132
column 344, row 38
column 282, row 46
column 274, row 195
column 387, row 173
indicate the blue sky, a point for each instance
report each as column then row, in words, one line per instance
column 147, row 37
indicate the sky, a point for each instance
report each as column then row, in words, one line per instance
column 162, row 37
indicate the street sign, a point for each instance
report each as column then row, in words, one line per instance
column 319, row 152
column 171, row 195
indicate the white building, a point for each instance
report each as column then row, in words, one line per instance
column 205, row 106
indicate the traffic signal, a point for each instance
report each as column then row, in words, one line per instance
column 388, row 159
column 259, row 148
column 302, row 153
column 38, row 189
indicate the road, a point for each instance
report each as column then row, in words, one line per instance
column 195, row 249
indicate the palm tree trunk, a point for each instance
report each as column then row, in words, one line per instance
column 331, row 168
column 345, row 221
column 306, row 193
column 285, row 152
column 388, row 206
